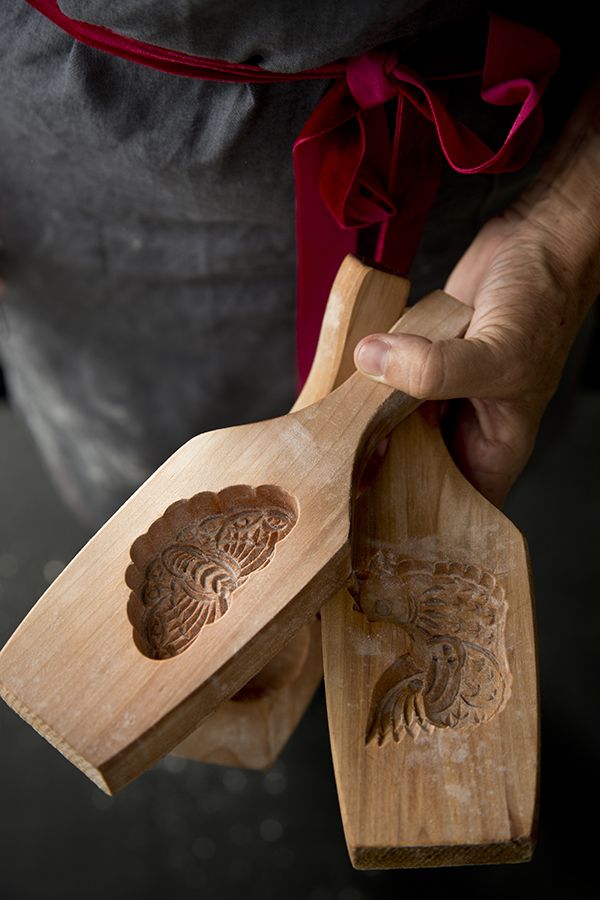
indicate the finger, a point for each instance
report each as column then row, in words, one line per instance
column 441, row 370
column 490, row 443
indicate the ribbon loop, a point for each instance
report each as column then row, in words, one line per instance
column 366, row 178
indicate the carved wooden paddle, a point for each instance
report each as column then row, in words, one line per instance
column 430, row 670
column 209, row 568
column 250, row 729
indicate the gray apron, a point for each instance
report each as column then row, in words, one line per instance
column 148, row 225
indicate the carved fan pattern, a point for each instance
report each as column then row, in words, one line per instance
column 189, row 579
column 455, row 673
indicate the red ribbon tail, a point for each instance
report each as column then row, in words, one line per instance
column 414, row 183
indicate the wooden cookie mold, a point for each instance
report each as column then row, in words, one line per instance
column 190, row 562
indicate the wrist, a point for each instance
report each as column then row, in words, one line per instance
column 569, row 242
column 560, row 209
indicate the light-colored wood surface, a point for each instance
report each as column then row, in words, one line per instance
column 251, row 729
column 430, row 670
column 375, row 302
column 241, row 535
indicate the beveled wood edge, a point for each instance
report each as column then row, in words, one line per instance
column 518, row 850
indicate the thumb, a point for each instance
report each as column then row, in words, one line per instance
column 436, row 370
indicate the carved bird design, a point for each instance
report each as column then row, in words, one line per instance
column 455, row 672
column 190, row 582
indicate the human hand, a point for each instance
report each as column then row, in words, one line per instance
column 527, row 310
column 530, row 275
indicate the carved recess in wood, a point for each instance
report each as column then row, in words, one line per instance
column 191, row 560
column 455, row 673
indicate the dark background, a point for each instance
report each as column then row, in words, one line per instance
column 192, row 830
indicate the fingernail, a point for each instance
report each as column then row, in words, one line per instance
column 371, row 357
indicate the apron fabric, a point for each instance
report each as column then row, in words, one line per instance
column 148, row 230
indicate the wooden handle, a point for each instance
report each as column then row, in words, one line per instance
column 362, row 301
column 366, row 409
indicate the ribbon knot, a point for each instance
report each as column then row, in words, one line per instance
column 356, row 149
column 370, row 77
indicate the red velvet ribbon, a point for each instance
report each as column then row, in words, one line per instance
column 350, row 172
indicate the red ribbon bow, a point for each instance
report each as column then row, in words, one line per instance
column 350, row 172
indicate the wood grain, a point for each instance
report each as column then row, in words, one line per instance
column 430, row 670
column 73, row 669
column 251, row 729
